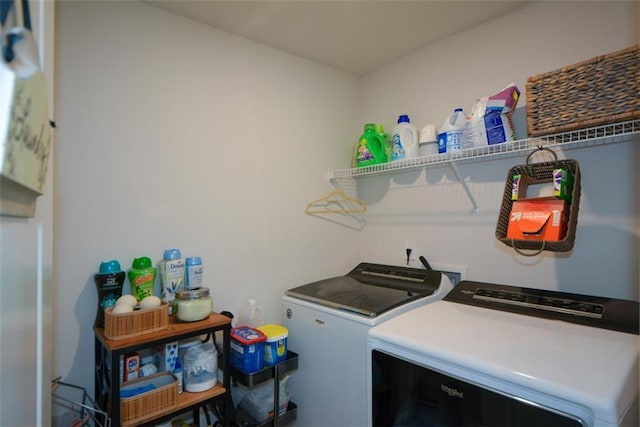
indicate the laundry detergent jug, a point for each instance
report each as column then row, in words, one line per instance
column 371, row 147
column 404, row 142
column 451, row 132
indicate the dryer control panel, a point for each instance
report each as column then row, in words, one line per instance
column 600, row 312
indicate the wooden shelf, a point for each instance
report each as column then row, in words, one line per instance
column 175, row 330
column 186, row 400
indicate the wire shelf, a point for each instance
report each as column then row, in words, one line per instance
column 599, row 135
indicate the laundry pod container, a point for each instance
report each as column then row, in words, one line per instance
column 200, row 368
column 275, row 348
column 247, row 349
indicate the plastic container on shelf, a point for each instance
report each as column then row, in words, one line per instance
column 404, row 140
column 192, row 305
column 247, row 349
column 193, row 275
column 200, row 368
column 251, row 315
column 109, row 281
column 387, row 139
column 275, row 347
column 142, row 277
column 450, row 137
column 428, row 142
column 177, row 371
column 370, row 149
column 185, row 345
column 258, row 402
column 172, row 275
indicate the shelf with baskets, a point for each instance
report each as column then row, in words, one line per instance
column 588, row 137
column 254, row 379
column 166, row 402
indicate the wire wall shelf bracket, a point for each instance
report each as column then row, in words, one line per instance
column 588, row 137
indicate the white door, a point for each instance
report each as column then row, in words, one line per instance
column 26, row 283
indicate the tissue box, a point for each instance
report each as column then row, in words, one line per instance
column 543, row 218
column 166, row 357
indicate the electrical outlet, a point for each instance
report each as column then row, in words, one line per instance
column 410, row 244
column 455, row 273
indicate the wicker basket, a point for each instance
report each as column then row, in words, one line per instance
column 540, row 173
column 148, row 405
column 139, row 322
column 600, row 91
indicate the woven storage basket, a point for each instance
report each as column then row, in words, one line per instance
column 603, row 90
column 148, row 405
column 540, row 173
column 138, row 322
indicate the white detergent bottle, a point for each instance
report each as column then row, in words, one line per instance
column 251, row 315
column 450, row 137
column 404, row 140
column 171, row 275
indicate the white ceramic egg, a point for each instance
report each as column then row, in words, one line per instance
column 150, row 302
column 129, row 300
column 122, row 309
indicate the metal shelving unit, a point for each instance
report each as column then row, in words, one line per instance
column 107, row 353
column 274, row 372
column 588, row 137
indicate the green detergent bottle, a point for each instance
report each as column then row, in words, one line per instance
column 371, row 147
column 142, row 277
column 387, row 140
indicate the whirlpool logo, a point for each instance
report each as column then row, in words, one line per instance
column 453, row 392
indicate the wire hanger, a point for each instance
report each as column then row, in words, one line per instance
column 337, row 201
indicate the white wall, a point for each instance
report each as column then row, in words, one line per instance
column 26, row 282
column 173, row 134
column 431, row 207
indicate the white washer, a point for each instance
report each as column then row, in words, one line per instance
column 328, row 322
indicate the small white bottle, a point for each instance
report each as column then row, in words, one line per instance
column 251, row 315
column 404, row 140
column 171, row 269
column 450, row 137
column 193, row 277
column 177, row 371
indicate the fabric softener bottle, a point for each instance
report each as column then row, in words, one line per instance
column 142, row 277
column 109, row 280
column 172, row 275
column 371, row 147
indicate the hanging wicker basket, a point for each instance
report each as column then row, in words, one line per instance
column 540, row 173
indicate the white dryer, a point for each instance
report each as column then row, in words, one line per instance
column 497, row 355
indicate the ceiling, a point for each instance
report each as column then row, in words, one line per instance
column 356, row 36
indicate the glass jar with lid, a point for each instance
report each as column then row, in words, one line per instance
column 192, row 305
